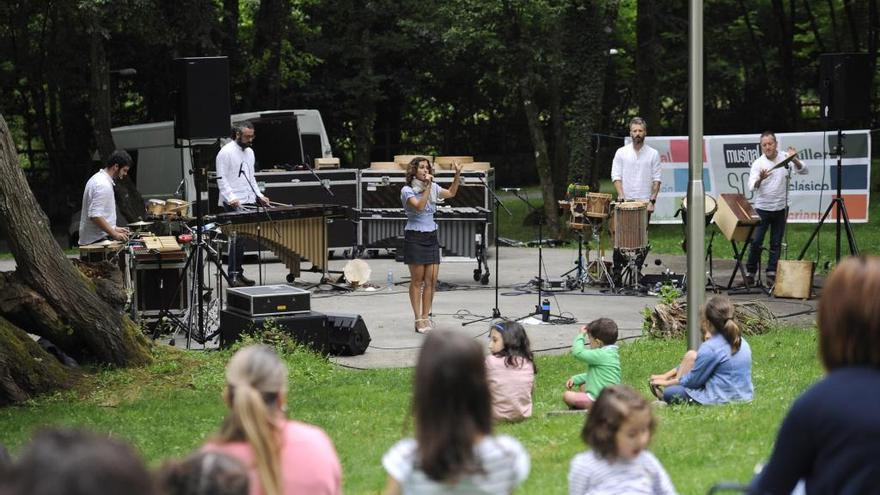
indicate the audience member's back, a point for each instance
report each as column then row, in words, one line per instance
column 78, row 463
column 204, row 473
column 830, row 437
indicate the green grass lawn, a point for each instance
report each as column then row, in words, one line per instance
column 169, row 408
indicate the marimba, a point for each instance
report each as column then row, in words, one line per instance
column 293, row 233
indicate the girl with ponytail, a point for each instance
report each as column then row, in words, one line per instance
column 720, row 371
column 282, row 456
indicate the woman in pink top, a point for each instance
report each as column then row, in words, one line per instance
column 511, row 370
column 282, row 456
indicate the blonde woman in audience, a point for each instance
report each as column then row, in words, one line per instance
column 618, row 430
column 282, row 456
column 454, row 450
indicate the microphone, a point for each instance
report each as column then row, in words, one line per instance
column 511, row 189
column 179, row 186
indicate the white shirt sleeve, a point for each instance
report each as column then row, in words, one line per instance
column 224, row 167
column 656, row 168
column 617, row 167
column 578, row 474
column 399, row 459
column 659, row 477
column 102, row 201
column 754, row 174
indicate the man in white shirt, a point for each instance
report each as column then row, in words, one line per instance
column 635, row 170
column 97, row 221
column 635, row 173
column 770, row 200
column 238, row 187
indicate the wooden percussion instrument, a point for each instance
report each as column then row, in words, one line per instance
column 294, row 232
column 794, row 278
column 735, row 217
column 155, row 207
column 631, row 225
column 176, row 207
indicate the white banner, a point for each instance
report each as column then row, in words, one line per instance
column 727, row 160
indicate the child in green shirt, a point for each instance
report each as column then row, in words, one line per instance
column 595, row 346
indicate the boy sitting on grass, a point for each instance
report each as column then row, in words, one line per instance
column 595, row 346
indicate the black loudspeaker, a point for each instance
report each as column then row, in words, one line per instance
column 335, row 333
column 348, row 334
column 845, row 86
column 160, row 286
column 203, row 101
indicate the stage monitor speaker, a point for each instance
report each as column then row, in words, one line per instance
column 203, row 101
column 845, row 86
column 306, row 328
column 333, row 333
column 347, row 334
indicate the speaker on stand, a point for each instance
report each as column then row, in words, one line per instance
column 203, row 100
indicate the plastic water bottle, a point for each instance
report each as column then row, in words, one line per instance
column 390, row 280
column 545, row 310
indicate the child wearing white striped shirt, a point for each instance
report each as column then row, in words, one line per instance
column 619, row 429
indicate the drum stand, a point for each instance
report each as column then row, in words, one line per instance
column 580, row 279
column 630, row 275
column 597, row 270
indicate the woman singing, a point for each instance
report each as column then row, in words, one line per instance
column 421, row 250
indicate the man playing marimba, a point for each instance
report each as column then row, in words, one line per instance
column 235, row 180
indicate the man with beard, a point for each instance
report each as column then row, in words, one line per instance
column 635, row 173
column 98, row 217
column 238, row 188
column 635, row 170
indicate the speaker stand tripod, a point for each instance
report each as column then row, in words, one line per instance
column 836, row 202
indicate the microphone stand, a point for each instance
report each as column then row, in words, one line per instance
column 321, row 181
column 540, row 254
column 496, row 313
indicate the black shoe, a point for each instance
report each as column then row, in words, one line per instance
column 750, row 280
column 245, row 280
column 237, row 282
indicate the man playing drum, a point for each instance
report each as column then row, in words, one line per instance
column 97, row 220
column 635, row 170
column 635, row 173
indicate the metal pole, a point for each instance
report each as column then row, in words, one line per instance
column 696, row 260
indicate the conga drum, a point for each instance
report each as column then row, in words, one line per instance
column 156, row 207
column 630, row 225
column 598, row 205
column 710, row 206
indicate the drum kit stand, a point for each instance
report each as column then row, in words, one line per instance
column 628, row 228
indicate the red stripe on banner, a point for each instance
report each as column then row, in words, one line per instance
column 856, row 206
column 680, row 151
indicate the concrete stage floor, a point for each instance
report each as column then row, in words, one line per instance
column 388, row 315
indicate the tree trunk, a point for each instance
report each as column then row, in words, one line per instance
column 542, row 160
column 25, row 368
column 97, row 331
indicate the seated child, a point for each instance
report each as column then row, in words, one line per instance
column 510, row 369
column 618, row 430
column 602, row 359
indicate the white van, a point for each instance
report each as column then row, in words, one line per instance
column 162, row 171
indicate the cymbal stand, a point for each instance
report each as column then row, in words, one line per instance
column 581, row 277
